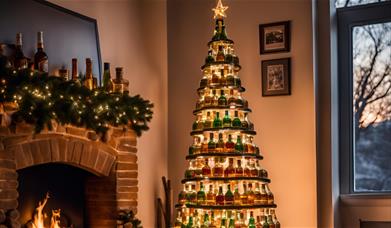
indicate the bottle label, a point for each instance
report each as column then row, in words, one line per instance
column 43, row 66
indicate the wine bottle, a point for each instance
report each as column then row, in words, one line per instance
column 89, row 79
column 40, row 57
column 75, row 73
column 20, row 61
column 107, row 83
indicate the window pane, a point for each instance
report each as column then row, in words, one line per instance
column 372, row 107
column 347, row 3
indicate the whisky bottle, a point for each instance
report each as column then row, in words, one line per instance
column 237, row 81
column 244, row 196
column 40, row 57
column 107, row 83
column 190, row 173
column 206, row 171
column 239, row 223
column 264, row 197
column 226, row 120
column 198, row 168
column 89, row 79
column 211, row 143
column 215, row 101
column 208, row 100
column 223, row 80
column 253, row 170
column 270, row 196
column 223, row 223
column 229, row 196
column 239, row 100
column 237, row 199
column 220, row 197
column 206, row 222
column 246, row 170
column 236, row 121
column 239, row 145
column 270, row 221
column 217, row 168
column 259, row 225
column 245, row 122
column 178, row 220
column 120, row 85
column 263, row 173
column 204, row 82
column 204, row 146
column 207, row 121
column 264, row 221
column 250, row 194
column 229, row 145
column 217, row 123
column 75, row 73
column 209, row 59
column 215, row 78
column 201, row 197
column 211, row 196
column 196, row 123
column 182, row 195
column 230, row 170
column 192, row 196
column 230, row 78
column 220, row 54
column 190, row 223
column 220, row 144
column 231, row 223
column 212, row 220
column 20, row 61
column 231, row 100
column 275, row 220
column 222, row 101
column 258, row 196
column 251, row 221
column 239, row 169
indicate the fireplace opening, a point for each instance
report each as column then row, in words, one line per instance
column 65, row 186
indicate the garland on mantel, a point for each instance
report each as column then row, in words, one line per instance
column 37, row 98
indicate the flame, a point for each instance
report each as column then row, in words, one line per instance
column 39, row 217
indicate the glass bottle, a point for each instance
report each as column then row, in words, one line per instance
column 211, row 196
column 226, row 120
column 231, row 223
column 190, row 173
column 239, row 145
column 217, row 123
column 245, row 122
column 195, row 124
column 231, row 99
column 244, row 196
column 192, row 196
column 264, row 221
column 253, row 170
column 208, row 98
column 212, row 220
column 257, row 193
column 230, row 79
column 215, row 79
column 246, row 170
column 107, row 83
column 209, row 59
column 211, row 143
column 275, row 220
column 220, row 54
column 20, row 61
column 251, row 221
column 215, row 99
column 40, row 57
column 259, row 225
column 120, row 85
column 89, row 79
column 239, row 100
column 264, row 197
column 270, row 196
column 239, row 223
column 230, row 170
column 204, row 145
column 208, row 121
column 237, row 81
column 198, row 168
column 229, row 145
column 201, row 197
column 250, row 194
column 182, row 195
column 218, row 168
column 237, row 199
column 239, row 169
column 206, row 171
column 220, row 197
column 220, row 143
column 178, row 220
column 190, row 223
column 229, row 196
column 270, row 221
column 75, row 73
column 223, row 80
column 263, row 173
column 236, row 121
column 222, row 101
column 204, row 82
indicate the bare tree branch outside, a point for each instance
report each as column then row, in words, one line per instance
column 371, row 103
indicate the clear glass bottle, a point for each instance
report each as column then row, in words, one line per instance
column 208, row 121
column 211, row 196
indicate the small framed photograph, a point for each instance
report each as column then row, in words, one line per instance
column 274, row 37
column 276, row 77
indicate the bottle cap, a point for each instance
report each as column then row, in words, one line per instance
column 106, row 66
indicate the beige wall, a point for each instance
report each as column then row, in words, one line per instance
column 285, row 125
column 133, row 35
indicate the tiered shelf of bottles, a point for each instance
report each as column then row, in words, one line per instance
column 224, row 186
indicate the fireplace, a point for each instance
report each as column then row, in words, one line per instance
column 88, row 178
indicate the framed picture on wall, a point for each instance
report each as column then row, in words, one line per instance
column 274, row 37
column 276, row 77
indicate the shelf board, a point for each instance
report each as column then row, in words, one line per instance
column 221, row 107
column 199, row 132
column 216, row 63
column 228, row 154
column 226, row 207
column 239, row 88
column 265, row 180
column 228, row 41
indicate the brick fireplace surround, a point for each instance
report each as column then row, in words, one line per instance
column 113, row 186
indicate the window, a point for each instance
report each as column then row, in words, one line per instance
column 348, row 3
column 364, row 45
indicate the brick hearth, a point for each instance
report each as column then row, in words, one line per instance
column 113, row 186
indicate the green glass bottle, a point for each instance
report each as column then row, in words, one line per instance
column 190, row 223
column 251, row 221
column 107, row 84
column 201, row 197
column 195, row 124
column 209, row 59
column 222, row 102
column 206, row 222
column 270, row 221
column 226, row 120
column 239, row 145
column 231, row 223
column 229, row 196
column 236, row 121
column 217, row 123
column 223, row 222
column 211, row 143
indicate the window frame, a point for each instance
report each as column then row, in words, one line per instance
column 347, row 19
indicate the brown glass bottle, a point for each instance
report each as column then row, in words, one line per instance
column 20, row 61
column 230, row 170
column 220, row 197
column 75, row 73
column 250, row 194
column 41, row 60
column 211, row 196
column 239, row 169
column 229, row 145
column 120, row 85
column 206, row 170
column 89, row 79
column 217, row 170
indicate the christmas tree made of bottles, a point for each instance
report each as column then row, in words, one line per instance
column 224, row 185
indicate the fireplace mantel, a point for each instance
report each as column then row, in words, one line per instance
column 113, row 162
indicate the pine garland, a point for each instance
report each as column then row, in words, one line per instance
column 41, row 98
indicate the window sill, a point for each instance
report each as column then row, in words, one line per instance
column 364, row 199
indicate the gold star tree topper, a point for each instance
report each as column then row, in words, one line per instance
column 220, row 10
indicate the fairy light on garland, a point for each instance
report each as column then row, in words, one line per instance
column 39, row 98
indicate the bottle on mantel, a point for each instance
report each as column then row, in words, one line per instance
column 40, row 58
column 120, row 85
column 20, row 61
column 75, row 73
column 107, row 83
column 89, row 79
